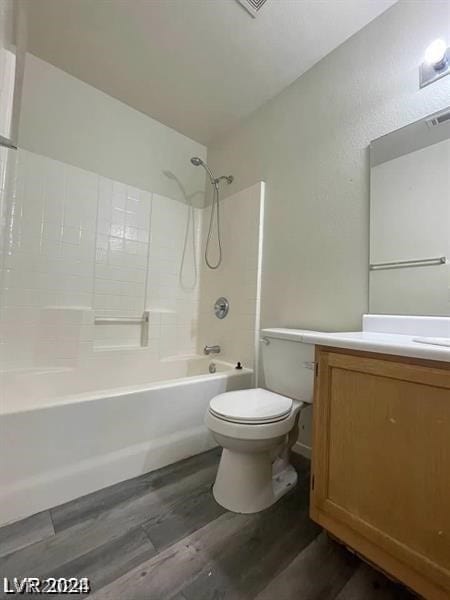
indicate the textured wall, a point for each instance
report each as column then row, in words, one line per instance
column 310, row 144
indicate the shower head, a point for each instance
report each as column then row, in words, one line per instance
column 196, row 161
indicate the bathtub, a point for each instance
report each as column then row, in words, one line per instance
column 56, row 447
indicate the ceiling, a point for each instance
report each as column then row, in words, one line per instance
column 197, row 66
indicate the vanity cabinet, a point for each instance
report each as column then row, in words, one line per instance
column 381, row 463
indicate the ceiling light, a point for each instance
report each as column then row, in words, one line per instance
column 435, row 54
column 436, row 63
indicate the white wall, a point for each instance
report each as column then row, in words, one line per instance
column 73, row 122
column 310, row 145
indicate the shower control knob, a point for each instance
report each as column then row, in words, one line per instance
column 221, row 307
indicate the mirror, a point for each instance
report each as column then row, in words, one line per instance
column 409, row 270
column 12, row 56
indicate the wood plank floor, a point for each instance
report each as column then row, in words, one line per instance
column 162, row 536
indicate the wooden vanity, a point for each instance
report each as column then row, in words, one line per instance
column 381, row 462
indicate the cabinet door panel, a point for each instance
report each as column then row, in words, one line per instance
column 382, row 456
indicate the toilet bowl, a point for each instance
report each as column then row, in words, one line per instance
column 256, row 429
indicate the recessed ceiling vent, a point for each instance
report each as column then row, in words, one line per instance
column 439, row 119
column 252, row 6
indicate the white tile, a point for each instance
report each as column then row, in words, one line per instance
column 71, row 235
column 82, row 240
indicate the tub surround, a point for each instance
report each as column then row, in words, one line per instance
column 81, row 246
column 238, row 278
column 385, row 334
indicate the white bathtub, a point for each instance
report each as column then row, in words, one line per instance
column 55, row 448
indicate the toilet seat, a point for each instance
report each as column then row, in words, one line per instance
column 251, row 407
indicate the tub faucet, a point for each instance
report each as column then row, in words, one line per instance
column 211, row 350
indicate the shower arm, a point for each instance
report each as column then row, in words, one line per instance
column 229, row 178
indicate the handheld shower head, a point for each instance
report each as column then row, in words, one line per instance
column 197, row 162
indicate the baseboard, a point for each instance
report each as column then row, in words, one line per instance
column 302, row 449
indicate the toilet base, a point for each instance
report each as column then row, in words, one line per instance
column 250, row 482
column 284, row 481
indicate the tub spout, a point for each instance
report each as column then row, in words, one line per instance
column 211, row 350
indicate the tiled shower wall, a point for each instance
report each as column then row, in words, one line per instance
column 77, row 246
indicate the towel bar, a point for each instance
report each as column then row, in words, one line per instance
column 401, row 264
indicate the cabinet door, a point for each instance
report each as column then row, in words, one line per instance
column 381, row 463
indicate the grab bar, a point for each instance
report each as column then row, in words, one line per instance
column 401, row 264
column 142, row 321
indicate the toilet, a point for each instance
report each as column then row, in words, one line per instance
column 258, row 427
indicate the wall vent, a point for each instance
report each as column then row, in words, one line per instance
column 439, row 119
column 252, row 6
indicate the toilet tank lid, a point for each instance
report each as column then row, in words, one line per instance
column 251, row 405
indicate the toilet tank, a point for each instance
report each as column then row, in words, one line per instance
column 287, row 365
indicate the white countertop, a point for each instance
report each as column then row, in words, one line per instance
column 367, row 341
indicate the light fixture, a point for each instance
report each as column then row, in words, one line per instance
column 436, row 62
column 435, row 54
